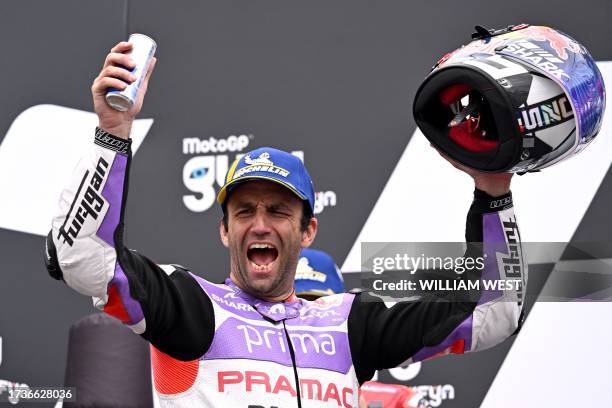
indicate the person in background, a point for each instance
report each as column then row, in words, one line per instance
column 317, row 275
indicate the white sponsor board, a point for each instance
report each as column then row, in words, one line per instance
column 37, row 157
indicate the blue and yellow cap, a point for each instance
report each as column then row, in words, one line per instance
column 317, row 274
column 267, row 163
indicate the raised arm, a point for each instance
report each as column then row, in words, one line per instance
column 85, row 247
column 385, row 337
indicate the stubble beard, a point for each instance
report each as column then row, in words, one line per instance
column 280, row 283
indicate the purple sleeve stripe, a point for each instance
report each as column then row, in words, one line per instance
column 132, row 307
column 113, row 194
column 461, row 332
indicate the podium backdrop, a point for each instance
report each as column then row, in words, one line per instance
column 332, row 82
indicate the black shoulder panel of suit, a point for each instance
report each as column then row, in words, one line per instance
column 179, row 315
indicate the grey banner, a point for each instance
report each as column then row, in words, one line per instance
column 457, row 271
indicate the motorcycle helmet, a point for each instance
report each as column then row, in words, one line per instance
column 517, row 99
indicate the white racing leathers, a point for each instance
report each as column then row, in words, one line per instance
column 215, row 346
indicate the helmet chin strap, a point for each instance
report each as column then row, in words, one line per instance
column 469, row 112
column 464, row 127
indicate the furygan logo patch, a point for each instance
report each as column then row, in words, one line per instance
column 90, row 206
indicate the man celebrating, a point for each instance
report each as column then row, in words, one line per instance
column 250, row 342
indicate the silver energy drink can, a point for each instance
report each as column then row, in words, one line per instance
column 142, row 53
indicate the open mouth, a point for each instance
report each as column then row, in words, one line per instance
column 262, row 256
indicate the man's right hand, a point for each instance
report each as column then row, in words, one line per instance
column 114, row 76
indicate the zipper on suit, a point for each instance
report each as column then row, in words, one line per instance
column 295, row 373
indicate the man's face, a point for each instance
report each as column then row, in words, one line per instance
column 264, row 238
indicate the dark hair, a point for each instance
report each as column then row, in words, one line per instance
column 304, row 221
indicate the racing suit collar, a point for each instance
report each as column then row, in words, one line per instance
column 276, row 311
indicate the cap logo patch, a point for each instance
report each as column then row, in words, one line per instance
column 305, row 271
column 260, row 164
column 263, row 158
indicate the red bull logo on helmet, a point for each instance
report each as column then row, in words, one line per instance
column 560, row 43
column 557, row 41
